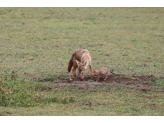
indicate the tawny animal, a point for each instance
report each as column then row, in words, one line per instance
column 80, row 59
column 101, row 72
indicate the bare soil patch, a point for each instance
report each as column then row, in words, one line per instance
column 144, row 82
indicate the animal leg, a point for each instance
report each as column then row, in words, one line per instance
column 79, row 73
column 82, row 77
column 98, row 78
column 91, row 67
column 106, row 77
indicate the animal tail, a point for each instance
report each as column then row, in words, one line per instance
column 70, row 64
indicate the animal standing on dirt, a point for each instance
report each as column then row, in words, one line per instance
column 81, row 58
column 101, row 72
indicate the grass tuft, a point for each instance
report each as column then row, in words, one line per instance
column 14, row 92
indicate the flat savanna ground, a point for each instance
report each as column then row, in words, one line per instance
column 37, row 43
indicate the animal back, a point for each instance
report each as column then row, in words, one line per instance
column 81, row 54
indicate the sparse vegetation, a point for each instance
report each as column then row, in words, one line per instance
column 22, row 93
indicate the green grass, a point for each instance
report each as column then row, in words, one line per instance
column 16, row 92
column 97, row 101
column 38, row 42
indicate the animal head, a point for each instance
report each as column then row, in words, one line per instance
column 93, row 73
column 81, row 66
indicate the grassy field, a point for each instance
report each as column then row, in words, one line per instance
column 37, row 43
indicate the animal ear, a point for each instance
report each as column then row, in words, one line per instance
column 77, row 62
column 85, row 63
column 95, row 71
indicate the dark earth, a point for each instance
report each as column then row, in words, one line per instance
column 143, row 82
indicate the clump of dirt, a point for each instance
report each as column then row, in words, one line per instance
column 144, row 82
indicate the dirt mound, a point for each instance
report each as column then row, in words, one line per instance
column 144, row 82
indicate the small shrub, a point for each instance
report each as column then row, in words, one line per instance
column 72, row 99
column 67, row 100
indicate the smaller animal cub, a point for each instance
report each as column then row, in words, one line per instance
column 101, row 72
